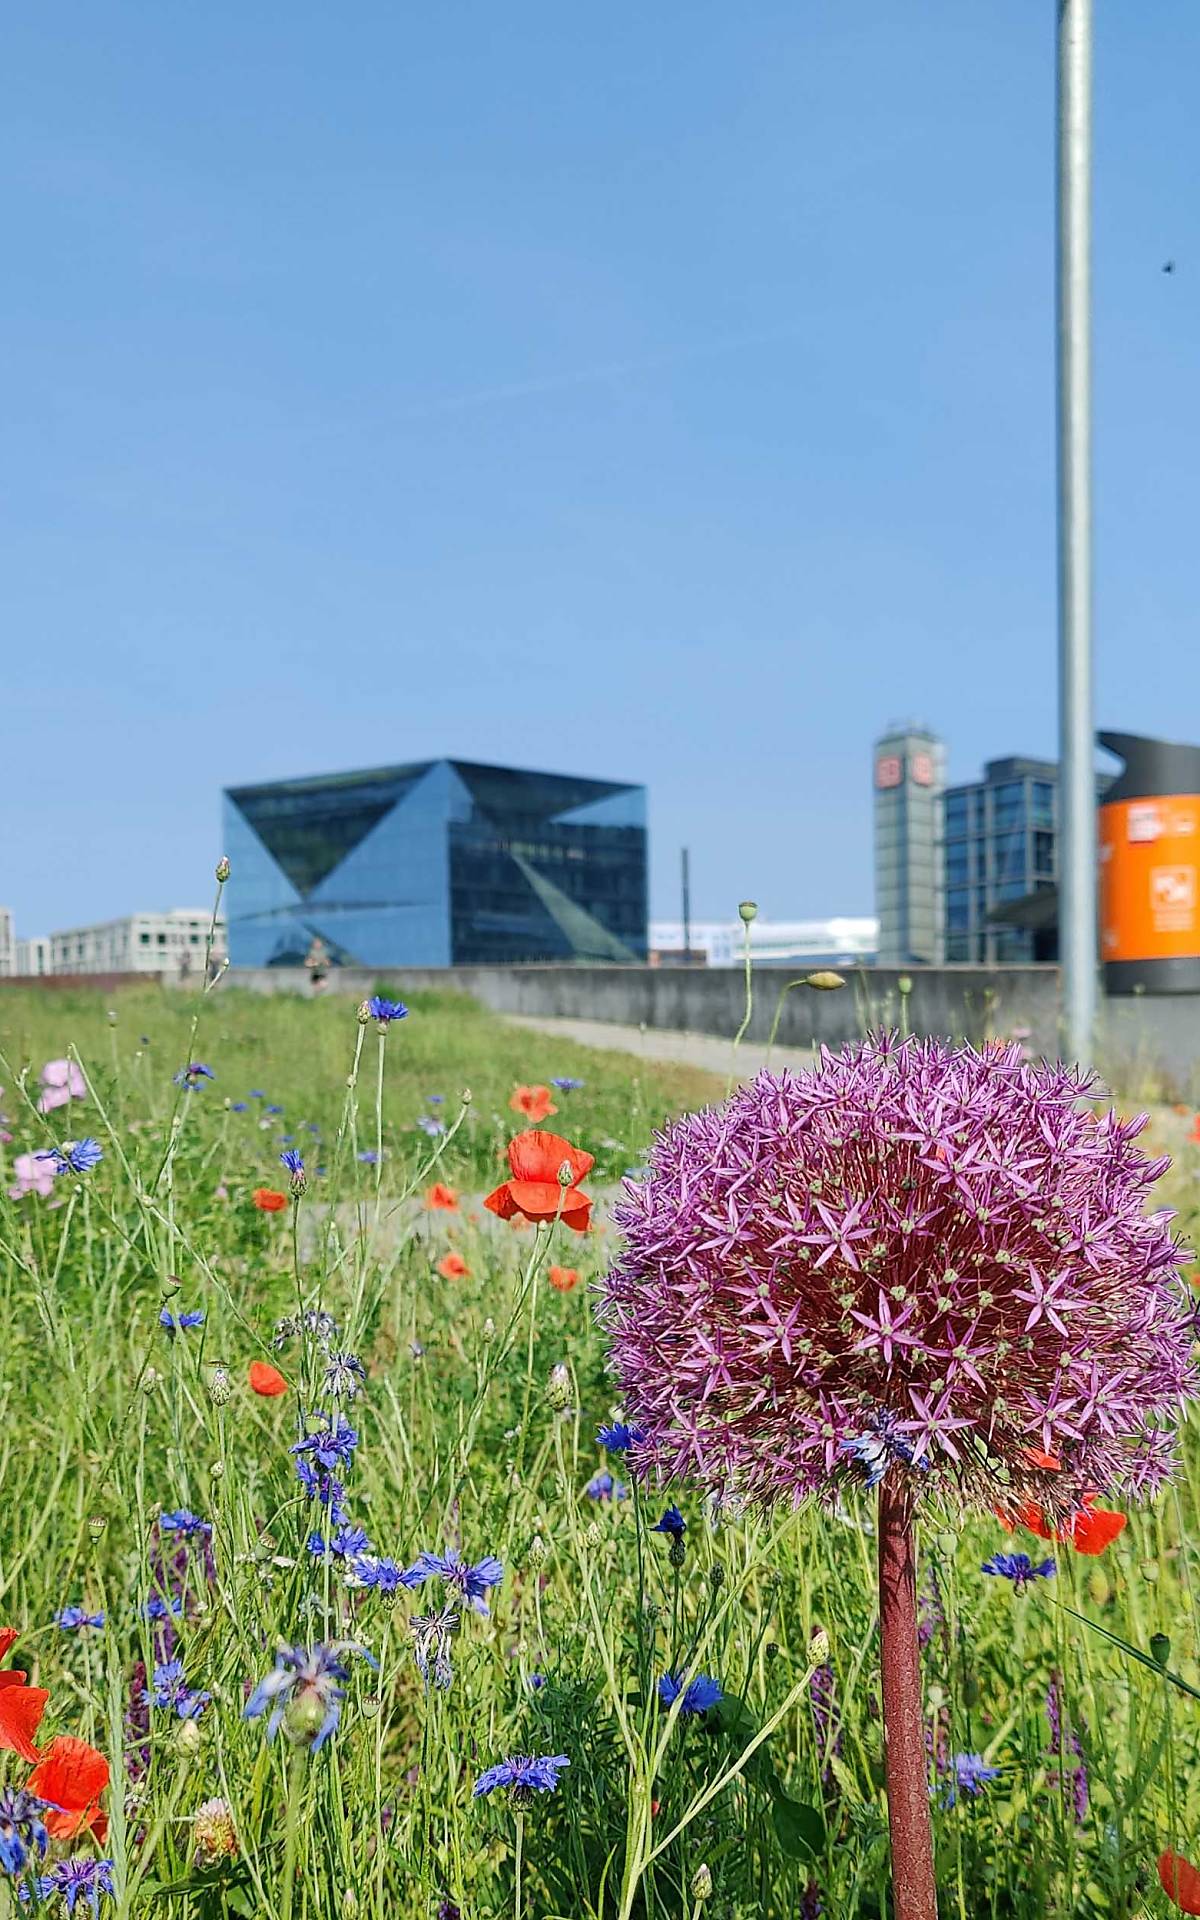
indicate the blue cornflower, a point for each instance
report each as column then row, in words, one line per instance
column 343, row 1543
column 970, row 1777
column 70, row 1619
column 536, row 1682
column 471, row 1580
column 256, row 1093
column 432, row 1637
column 239, row 1106
column 293, row 1160
column 672, row 1522
column 368, row 1156
column 522, row 1775
column 385, row 1011
column 74, row 1156
column 701, row 1693
column 565, row 1084
column 368, row 1570
column 323, row 1487
column 602, row 1486
column 22, row 1829
column 344, row 1376
column 188, row 1524
column 162, row 1607
column 436, row 1099
column 285, row 1140
column 171, row 1690
column 330, row 1446
column 618, row 1438
column 191, row 1075
column 305, row 1683
column 176, row 1323
column 271, row 1109
column 79, row 1879
column 429, row 1125
column 879, row 1446
column 1019, row 1568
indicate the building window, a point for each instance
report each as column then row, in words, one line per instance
column 958, row 913
column 144, row 938
column 956, row 815
column 1043, row 853
column 1008, row 804
column 1041, row 810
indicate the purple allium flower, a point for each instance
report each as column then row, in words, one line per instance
column 71, row 1619
column 523, row 1776
column 74, row 1156
column 940, row 1248
column 700, row 1694
column 472, row 1581
column 305, row 1684
column 385, row 1011
column 22, row 1829
column 1019, row 1568
column 80, row 1880
column 672, row 1522
column 170, row 1689
column 172, row 1323
column 618, row 1438
column 969, row 1776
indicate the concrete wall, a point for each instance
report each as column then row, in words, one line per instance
column 1147, row 1044
column 957, row 1002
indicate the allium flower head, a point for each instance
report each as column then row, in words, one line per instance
column 914, row 1259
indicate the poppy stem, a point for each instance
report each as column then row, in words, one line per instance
column 914, row 1891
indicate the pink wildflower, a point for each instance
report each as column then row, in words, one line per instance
column 33, row 1175
column 61, row 1081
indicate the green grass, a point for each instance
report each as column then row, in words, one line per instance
column 464, row 1435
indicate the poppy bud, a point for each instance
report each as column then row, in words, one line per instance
column 824, row 980
column 96, row 1526
column 222, row 870
column 1160, row 1649
column 370, row 1705
column 171, row 1285
column 904, row 985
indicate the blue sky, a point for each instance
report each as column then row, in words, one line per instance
column 664, row 393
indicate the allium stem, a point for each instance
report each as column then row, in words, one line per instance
column 914, row 1893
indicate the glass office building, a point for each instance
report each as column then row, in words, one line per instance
column 435, row 864
column 1000, row 843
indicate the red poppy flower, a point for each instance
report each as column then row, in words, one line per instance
column 1179, row 1881
column 1047, row 1461
column 21, row 1710
column 1194, row 1135
column 268, row 1201
column 453, row 1267
column 71, row 1776
column 266, row 1379
column 534, row 1102
column 564, row 1278
column 535, row 1191
column 1096, row 1528
column 437, row 1196
column 8, row 1637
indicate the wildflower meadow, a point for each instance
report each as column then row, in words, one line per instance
column 449, row 1473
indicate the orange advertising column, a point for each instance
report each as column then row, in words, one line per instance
column 1150, row 868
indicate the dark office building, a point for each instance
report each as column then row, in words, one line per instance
column 999, row 843
column 441, row 863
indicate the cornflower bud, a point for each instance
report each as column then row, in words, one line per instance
column 222, row 870
column 701, row 1884
column 219, row 1387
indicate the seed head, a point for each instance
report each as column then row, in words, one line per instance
column 748, row 911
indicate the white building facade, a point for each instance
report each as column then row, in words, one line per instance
column 773, row 943
column 8, row 945
column 171, row 942
column 33, row 956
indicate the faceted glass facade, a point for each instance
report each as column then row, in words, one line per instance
column 1000, row 845
column 441, row 863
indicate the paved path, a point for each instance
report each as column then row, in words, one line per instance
column 674, row 1049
